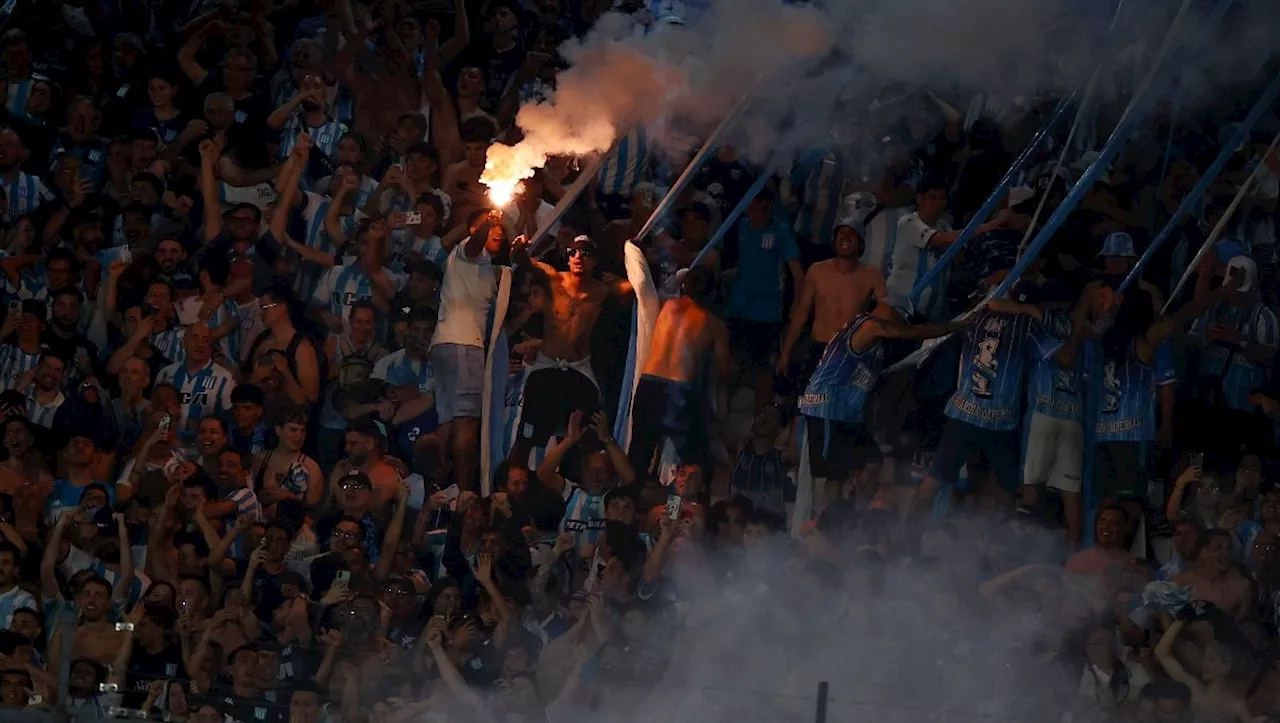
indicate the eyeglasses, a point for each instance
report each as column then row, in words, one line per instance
column 353, row 486
column 579, row 252
column 396, row 592
column 346, row 534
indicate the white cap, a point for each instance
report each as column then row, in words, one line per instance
column 1244, row 265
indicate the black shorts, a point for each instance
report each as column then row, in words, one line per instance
column 1118, row 471
column 757, row 339
column 999, row 449
column 550, row 396
column 667, row 409
column 838, row 448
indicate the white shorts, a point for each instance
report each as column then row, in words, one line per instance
column 1055, row 453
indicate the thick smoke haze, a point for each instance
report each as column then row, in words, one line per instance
column 897, row 641
column 814, row 71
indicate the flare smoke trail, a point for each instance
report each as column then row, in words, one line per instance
column 819, row 70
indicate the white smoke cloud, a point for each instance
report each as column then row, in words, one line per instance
column 927, row 647
column 813, row 71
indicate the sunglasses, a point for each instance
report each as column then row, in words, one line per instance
column 579, row 252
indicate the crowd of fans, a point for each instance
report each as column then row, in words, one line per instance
column 250, row 276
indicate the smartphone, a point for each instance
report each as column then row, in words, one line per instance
column 124, row 628
column 110, row 687
column 342, row 576
column 126, row 256
column 15, row 304
column 673, row 507
column 165, row 421
column 1197, row 460
column 412, row 218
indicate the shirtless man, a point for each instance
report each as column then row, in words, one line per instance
column 671, row 397
column 96, row 637
column 561, row 379
column 835, row 291
column 462, row 179
column 1212, row 578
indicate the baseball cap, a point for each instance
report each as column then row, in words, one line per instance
column 850, row 222
column 1243, row 265
column 355, row 478
column 584, row 242
column 1118, row 243
column 399, row 376
column 370, row 427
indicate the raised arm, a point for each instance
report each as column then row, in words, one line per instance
column 548, row 473
column 210, row 152
column 120, row 591
column 461, row 33
column 387, row 552
column 187, row 55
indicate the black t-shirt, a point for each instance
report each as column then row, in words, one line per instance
column 263, row 707
column 499, row 67
column 146, row 668
column 297, row 664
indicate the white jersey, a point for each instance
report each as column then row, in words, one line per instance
column 465, row 298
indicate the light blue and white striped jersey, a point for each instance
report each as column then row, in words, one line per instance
column 19, row 91
column 77, row 560
column 14, row 599
column 1239, row 374
column 404, row 244
column 819, row 175
column 42, row 414
column 246, row 503
column 342, row 286
column 583, row 515
column 1053, row 389
column 1126, row 409
column 363, row 192
column 14, row 362
column 622, row 171
column 170, row 343
column 840, row 386
column 229, row 344
column 397, row 369
column 882, row 237
column 202, row 392
column 993, row 367
column 319, row 239
column 401, row 202
column 912, row 259
column 324, row 138
column 24, row 194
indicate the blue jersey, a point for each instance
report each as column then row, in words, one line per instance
column 202, row 392
column 1126, row 409
column 1055, row 390
column 756, row 293
column 318, row 238
column 66, row 497
column 1239, row 374
column 840, row 386
column 993, row 366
